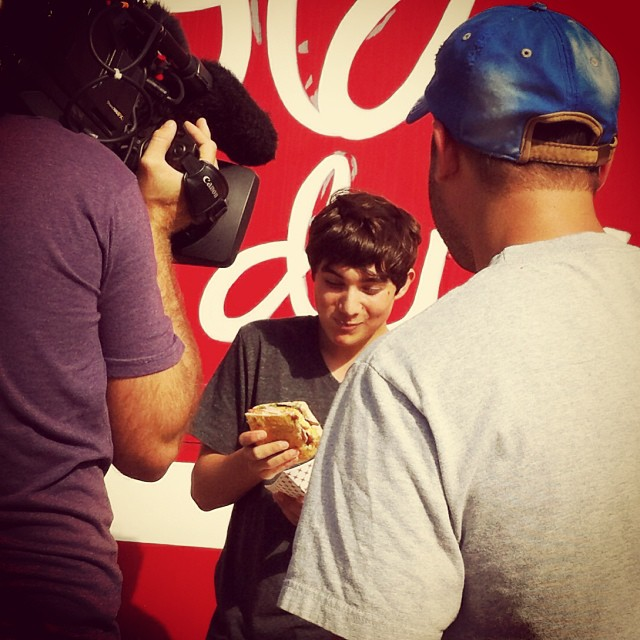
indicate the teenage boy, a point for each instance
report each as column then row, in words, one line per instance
column 361, row 250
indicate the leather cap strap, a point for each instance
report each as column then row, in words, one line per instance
column 206, row 189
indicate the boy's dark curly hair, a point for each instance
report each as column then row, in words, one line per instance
column 360, row 230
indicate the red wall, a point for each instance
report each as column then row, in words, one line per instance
column 337, row 98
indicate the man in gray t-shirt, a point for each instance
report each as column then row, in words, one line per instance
column 480, row 476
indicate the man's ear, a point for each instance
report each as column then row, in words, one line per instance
column 445, row 150
column 603, row 173
column 405, row 287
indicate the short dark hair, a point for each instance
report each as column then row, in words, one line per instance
column 35, row 35
column 360, row 230
column 498, row 174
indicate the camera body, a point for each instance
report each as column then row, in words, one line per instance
column 115, row 71
column 182, row 147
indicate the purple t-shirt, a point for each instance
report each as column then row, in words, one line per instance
column 79, row 303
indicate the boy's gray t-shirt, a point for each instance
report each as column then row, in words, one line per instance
column 269, row 361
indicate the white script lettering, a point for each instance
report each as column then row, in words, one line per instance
column 335, row 113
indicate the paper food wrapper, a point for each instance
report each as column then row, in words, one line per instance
column 293, row 482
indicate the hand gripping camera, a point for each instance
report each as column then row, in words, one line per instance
column 116, row 71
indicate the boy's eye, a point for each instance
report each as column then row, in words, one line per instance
column 372, row 289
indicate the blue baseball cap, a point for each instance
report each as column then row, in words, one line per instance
column 507, row 69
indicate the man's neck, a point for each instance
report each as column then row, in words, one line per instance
column 532, row 216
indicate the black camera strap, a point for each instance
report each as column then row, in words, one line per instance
column 206, row 189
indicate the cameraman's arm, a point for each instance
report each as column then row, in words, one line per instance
column 149, row 415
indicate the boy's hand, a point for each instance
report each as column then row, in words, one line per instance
column 266, row 461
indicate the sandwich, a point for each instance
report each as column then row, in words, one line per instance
column 291, row 421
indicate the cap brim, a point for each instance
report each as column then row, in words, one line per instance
column 418, row 110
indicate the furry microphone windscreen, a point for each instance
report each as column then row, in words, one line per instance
column 238, row 125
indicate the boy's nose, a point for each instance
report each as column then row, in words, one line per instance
column 350, row 303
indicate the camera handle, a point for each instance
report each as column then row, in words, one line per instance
column 206, row 189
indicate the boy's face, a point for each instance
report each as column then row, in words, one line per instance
column 353, row 305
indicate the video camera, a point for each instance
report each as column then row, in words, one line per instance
column 116, row 71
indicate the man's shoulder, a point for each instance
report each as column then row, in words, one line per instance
column 446, row 329
column 61, row 146
column 511, row 290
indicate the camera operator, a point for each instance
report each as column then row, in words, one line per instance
column 98, row 364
